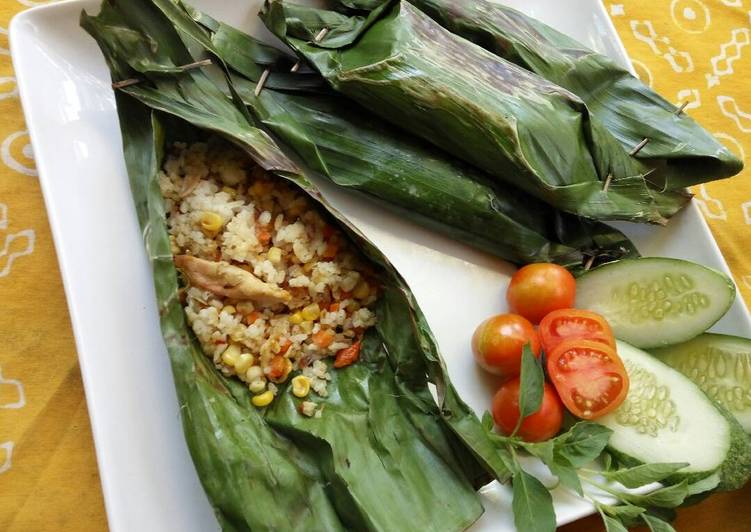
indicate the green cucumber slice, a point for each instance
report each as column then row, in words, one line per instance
column 654, row 302
column 667, row 418
column 720, row 365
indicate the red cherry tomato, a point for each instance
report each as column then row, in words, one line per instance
column 589, row 377
column 498, row 343
column 537, row 289
column 568, row 323
column 540, row 426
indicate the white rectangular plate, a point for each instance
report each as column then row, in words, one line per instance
column 148, row 479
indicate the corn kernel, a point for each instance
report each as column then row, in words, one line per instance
column 211, row 222
column 253, row 373
column 275, row 255
column 231, row 355
column 229, row 190
column 311, row 312
column 229, row 309
column 362, row 290
column 263, row 399
column 257, row 385
column 243, row 363
column 296, row 318
column 307, row 327
column 300, row 386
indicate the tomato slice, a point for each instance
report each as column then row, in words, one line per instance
column 569, row 323
column 589, row 377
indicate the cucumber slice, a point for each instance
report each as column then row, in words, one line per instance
column 654, row 302
column 667, row 418
column 720, row 365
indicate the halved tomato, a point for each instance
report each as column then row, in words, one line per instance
column 589, row 377
column 568, row 323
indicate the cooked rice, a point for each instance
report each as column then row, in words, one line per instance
column 273, row 231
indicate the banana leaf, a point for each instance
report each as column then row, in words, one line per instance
column 513, row 124
column 357, row 150
column 385, row 455
column 686, row 153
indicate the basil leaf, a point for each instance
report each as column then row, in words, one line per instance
column 657, row 525
column 531, row 389
column 644, row 474
column 623, row 512
column 487, row 421
column 669, row 497
column 704, row 485
column 612, row 524
column 532, row 504
column 583, row 443
column 567, row 475
column 542, row 450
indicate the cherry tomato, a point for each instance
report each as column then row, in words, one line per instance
column 498, row 343
column 589, row 376
column 568, row 323
column 540, row 426
column 537, row 289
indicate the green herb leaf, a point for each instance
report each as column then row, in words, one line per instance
column 657, row 525
column 668, row 497
column 487, row 421
column 612, row 524
column 532, row 504
column 567, row 475
column 532, row 383
column 583, row 443
column 623, row 512
column 607, row 461
column 644, row 474
column 704, row 485
column 543, row 450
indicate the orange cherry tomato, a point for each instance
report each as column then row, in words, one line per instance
column 564, row 324
column 540, row 426
column 537, row 289
column 498, row 343
column 589, row 376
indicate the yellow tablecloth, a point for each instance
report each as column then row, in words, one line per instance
column 689, row 50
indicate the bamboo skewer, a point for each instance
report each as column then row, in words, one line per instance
column 134, row 81
column 320, row 35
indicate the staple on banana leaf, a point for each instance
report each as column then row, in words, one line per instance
column 388, row 457
column 511, row 123
column 685, row 153
column 357, row 150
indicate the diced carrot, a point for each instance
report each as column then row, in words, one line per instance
column 347, row 356
column 333, row 307
column 277, row 367
column 251, row 318
column 323, row 338
column 332, row 248
column 284, row 346
column 220, row 342
column 263, row 235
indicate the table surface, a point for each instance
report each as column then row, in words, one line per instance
column 689, row 50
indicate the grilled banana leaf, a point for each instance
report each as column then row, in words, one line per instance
column 389, row 457
column 684, row 151
column 513, row 124
column 357, row 150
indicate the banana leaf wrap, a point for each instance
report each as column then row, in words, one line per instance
column 385, row 455
column 513, row 124
column 685, row 153
column 357, row 150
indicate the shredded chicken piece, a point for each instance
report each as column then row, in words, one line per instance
column 224, row 279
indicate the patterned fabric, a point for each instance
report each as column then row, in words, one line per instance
column 689, row 50
column 697, row 51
